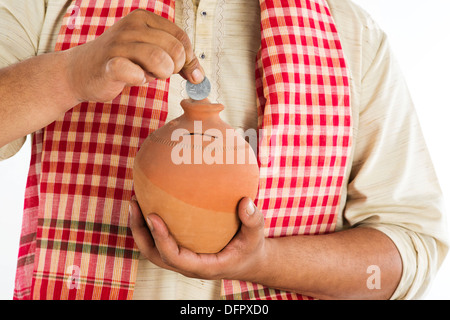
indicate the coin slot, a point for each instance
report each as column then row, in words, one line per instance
column 200, row 134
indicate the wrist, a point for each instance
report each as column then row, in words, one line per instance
column 71, row 78
column 261, row 270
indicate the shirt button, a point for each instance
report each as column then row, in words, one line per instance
column 203, row 13
column 202, row 55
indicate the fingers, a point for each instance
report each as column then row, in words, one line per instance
column 178, row 258
column 140, row 231
column 236, row 261
column 164, row 241
column 136, row 63
column 152, row 58
column 159, row 40
column 123, row 70
column 137, row 49
column 191, row 69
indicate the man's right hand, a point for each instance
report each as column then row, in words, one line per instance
column 137, row 49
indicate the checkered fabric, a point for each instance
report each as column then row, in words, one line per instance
column 304, row 113
column 76, row 243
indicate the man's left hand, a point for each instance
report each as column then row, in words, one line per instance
column 242, row 259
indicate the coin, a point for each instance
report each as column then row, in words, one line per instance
column 198, row 91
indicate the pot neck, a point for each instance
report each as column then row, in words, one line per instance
column 201, row 110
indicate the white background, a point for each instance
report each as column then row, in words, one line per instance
column 419, row 33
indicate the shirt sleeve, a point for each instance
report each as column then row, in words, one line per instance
column 393, row 186
column 20, row 27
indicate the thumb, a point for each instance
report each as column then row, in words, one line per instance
column 193, row 71
column 251, row 217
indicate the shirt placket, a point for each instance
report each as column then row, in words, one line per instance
column 204, row 34
column 199, row 23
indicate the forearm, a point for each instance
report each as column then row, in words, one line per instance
column 332, row 266
column 33, row 94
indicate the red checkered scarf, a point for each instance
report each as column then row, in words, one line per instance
column 76, row 242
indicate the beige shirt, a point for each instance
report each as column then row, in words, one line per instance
column 392, row 185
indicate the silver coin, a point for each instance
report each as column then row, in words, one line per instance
column 198, row 91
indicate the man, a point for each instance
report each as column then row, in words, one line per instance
column 355, row 166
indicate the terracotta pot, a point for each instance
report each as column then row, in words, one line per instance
column 193, row 172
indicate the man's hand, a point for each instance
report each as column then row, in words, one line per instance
column 241, row 259
column 328, row 266
column 137, row 49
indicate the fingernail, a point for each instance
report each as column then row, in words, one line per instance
column 197, row 76
column 149, row 223
column 130, row 209
column 250, row 208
